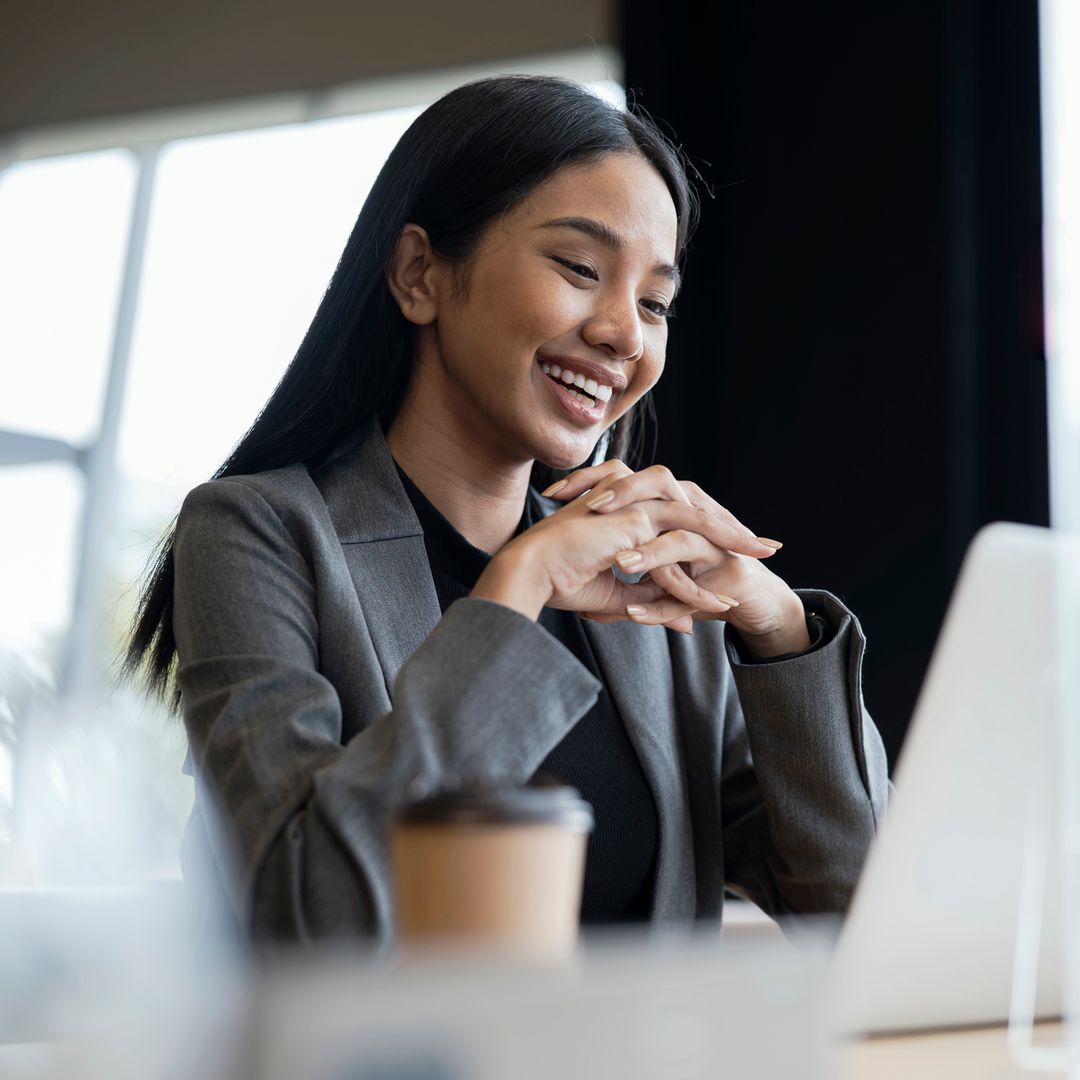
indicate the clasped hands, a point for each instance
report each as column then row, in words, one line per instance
column 699, row 561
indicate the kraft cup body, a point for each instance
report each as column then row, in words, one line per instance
column 497, row 871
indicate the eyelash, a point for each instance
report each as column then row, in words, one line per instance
column 582, row 270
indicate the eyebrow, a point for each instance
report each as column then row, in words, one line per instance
column 598, row 230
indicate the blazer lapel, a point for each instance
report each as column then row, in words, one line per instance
column 383, row 545
column 636, row 668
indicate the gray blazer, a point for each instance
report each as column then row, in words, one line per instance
column 322, row 686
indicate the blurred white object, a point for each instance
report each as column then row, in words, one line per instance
column 1059, row 78
column 106, row 971
column 629, row 1007
column 100, row 984
column 89, row 810
column 957, row 879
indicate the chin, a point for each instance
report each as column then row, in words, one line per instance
column 562, row 464
column 567, row 457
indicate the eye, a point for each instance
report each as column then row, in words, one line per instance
column 661, row 309
column 578, row 268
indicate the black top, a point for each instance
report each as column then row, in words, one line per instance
column 596, row 755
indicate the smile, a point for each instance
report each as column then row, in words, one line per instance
column 575, row 400
column 594, row 390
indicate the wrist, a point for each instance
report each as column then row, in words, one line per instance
column 789, row 635
column 510, row 579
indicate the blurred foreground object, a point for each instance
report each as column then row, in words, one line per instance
column 100, row 984
column 629, row 1007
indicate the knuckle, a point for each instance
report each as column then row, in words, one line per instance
column 739, row 569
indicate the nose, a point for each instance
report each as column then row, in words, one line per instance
column 618, row 328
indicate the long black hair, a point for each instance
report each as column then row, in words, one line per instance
column 465, row 160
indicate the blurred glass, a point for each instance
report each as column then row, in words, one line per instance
column 63, row 234
column 37, row 555
column 245, row 233
column 37, row 564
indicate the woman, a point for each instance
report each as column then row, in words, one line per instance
column 371, row 600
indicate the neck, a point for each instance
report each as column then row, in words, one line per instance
column 480, row 492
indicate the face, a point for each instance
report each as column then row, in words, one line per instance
column 551, row 302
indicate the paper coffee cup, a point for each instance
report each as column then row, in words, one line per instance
column 494, row 869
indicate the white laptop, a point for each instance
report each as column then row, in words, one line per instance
column 958, row 911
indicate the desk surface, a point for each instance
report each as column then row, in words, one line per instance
column 955, row 1055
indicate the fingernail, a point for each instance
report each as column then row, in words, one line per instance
column 774, row 544
column 730, row 601
column 600, row 500
column 557, row 486
column 628, row 558
column 635, row 609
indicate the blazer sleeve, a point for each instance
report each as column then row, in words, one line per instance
column 484, row 699
column 804, row 783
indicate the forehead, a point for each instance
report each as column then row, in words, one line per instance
column 623, row 191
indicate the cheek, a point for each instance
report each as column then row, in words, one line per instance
column 646, row 375
column 650, row 368
column 528, row 308
column 549, row 308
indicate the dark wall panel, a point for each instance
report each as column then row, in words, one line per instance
column 856, row 367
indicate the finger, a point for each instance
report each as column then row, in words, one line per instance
column 655, row 482
column 582, row 480
column 667, row 516
column 715, row 528
column 658, row 482
column 699, row 497
column 665, row 556
column 683, row 587
column 683, row 623
column 658, row 611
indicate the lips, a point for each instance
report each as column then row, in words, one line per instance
column 590, row 370
column 573, row 405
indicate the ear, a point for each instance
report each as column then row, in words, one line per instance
column 416, row 276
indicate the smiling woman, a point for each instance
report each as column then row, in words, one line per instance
column 371, row 599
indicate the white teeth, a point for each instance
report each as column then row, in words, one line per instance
column 599, row 391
